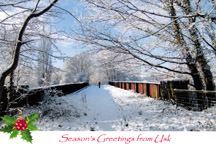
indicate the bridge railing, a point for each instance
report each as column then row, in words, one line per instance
column 195, row 99
column 25, row 96
column 148, row 88
column 174, row 90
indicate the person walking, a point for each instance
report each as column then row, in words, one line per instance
column 99, row 83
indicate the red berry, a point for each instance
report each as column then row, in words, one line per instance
column 23, row 121
column 18, row 128
column 16, row 124
column 20, row 124
column 25, row 125
column 23, row 128
column 18, row 120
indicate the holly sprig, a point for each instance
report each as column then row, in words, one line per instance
column 14, row 132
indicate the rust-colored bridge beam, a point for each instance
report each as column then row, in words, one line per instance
column 147, row 88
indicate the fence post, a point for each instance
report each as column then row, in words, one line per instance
column 176, row 98
column 167, row 90
column 204, row 101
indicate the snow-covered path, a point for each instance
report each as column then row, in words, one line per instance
column 101, row 112
column 112, row 109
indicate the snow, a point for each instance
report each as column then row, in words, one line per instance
column 42, row 87
column 174, row 79
column 113, row 109
column 146, row 82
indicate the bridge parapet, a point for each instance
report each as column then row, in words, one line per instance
column 148, row 88
column 163, row 89
column 25, row 96
column 174, row 90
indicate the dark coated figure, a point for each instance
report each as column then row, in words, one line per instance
column 99, row 83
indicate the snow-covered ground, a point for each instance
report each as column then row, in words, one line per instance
column 112, row 109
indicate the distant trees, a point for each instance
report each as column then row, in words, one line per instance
column 118, row 67
column 77, row 68
column 103, row 66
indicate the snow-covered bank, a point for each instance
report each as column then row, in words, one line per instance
column 112, row 109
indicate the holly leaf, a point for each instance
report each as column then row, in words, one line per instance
column 8, row 129
column 14, row 134
column 32, row 127
column 9, row 120
column 26, row 135
column 32, row 118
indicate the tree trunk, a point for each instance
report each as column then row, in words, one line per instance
column 208, row 76
column 191, row 62
column 10, row 95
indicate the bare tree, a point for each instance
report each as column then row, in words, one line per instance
column 20, row 41
column 161, row 34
